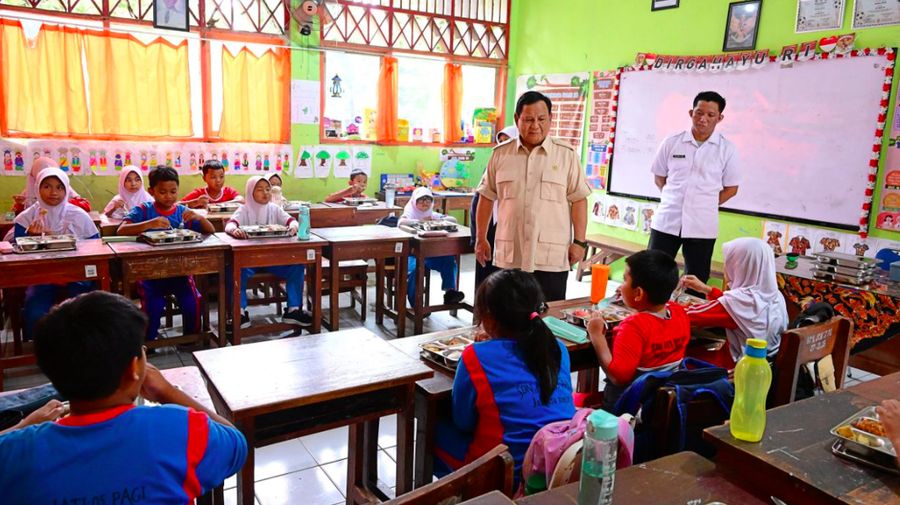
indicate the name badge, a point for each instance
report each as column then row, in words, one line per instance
column 679, row 156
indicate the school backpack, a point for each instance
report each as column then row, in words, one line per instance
column 692, row 379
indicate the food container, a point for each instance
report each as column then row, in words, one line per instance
column 170, row 237
column 44, row 243
column 447, row 351
column 686, row 300
column 440, row 225
column 861, row 435
column 846, row 279
column 580, row 316
column 895, row 271
column 224, row 207
column 846, row 260
column 266, row 230
column 355, row 202
column 845, row 271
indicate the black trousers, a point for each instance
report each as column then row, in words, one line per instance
column 553, row 284
column 697, row 252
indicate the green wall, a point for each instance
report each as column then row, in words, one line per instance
column 588, row 35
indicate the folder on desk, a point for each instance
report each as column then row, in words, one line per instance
column 566, row 331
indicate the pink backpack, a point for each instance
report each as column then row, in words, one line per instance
column 557, row 445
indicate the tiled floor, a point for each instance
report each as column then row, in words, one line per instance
column 315, row 466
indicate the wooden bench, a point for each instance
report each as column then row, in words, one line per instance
column 605, row 250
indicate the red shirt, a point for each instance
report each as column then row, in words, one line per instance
column 647, row 341
column 228, row 194
column 711, row 313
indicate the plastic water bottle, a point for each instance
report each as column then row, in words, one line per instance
column 303, row 219
column 752, row 378
column 390, row 193
column 598, row 465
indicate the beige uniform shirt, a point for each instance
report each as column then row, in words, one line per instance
column 534, row 192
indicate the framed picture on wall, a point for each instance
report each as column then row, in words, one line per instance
column 658, row 5
column 171, row 15
column 742, row 25
column 818, row 15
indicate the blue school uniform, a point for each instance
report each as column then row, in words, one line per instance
column 153, row 292
column 444, row 265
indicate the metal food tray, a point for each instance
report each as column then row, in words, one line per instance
column 848, row 271
column 858, row 442
column 846, row 260
column 27, row 245
column 613, row 314
column 845, row 450
column 223, row 208
column 266, row 231
column 686, row 300
column 358, row 201
column 853, row 281
column 447, row 351
column 440, row 225
column 171, row 237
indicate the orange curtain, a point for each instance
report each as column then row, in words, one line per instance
column 138, row 89
column 254, row 96
column 386, row 115
column 42, row 83
column 452, row 93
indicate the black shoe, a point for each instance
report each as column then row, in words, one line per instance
column 452, row 296
column 245, row 322
column 297, row 317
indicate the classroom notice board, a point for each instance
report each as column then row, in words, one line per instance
column 804, row 133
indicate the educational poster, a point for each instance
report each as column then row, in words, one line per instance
column 889, row 214
column 872, row 13
column 304, row 102
column 568, row 92
column 615, row 211
column 598, row 211
column 304, row 167
column 800, row 240
column 14, row 158
column 342, row 160
column 864, row 247
column 362, row 159
column 321, row 160
column 830, row 241
column 648, row 210
column 629, row 214
column 776, row 235
column 600, row 134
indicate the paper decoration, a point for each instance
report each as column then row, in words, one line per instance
column 598, row 211
column 342, row 161
column 776, row 235
column 830, row 241
column 800, row 240
column 306, row 157
column 648, row 210
column 600, row 125
column 305, row 102
column 864, row 247
column 568, row 92
column 362, row 159
column 323, row 160
column 14, row 157
column 890, row 198
column 615, row 211
column 629, row 215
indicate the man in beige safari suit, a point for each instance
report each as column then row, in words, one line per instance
column 542, row 201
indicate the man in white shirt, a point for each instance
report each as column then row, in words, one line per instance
column 697, row 171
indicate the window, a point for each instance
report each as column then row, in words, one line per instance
column 479, row 85
column 419, row 99
column 352, row 114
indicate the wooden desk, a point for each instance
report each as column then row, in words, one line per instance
column 873, row 308
column 368, row 214
column 453, row 200
column 88, row 262
column 282, row 389
column 605, row 250
column 794, row 458
column 322, row 215
column 362, row 243
column 108, row 226
column 140, row 261
column 492, row 498
column 454, row 244
column 7, row 224
column 433, row 394
column 683, row 478
column 267, row 252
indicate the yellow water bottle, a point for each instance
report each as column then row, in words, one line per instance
column 752, row 378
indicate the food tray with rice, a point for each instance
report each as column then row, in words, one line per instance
column 266, row 231
column 171, row 237
column 612, row 314
column 447, row 351
column 224, row 207
column 357, row 201
column 864, row 440
column 25, row 245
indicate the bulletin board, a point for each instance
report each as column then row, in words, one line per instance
column 804, row 132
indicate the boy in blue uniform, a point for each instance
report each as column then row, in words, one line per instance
column 163, row 213
column 108, row 450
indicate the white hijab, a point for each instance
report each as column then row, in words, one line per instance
column 753, row 299
column 252, row 213
column 138, row 197
column 411, row 211
column 32, row 184
column 64, row 218
column 511, row 131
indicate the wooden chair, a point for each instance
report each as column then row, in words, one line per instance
column 702, row 412
column 354, row 279
column 493, row 471
column 811, row 343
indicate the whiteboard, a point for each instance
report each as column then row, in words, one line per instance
column 804, row 134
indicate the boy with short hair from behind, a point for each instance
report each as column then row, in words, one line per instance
column 90, row 349
column 161, row 214
column 356, row 188
column 655, row 338
column 215, row 191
